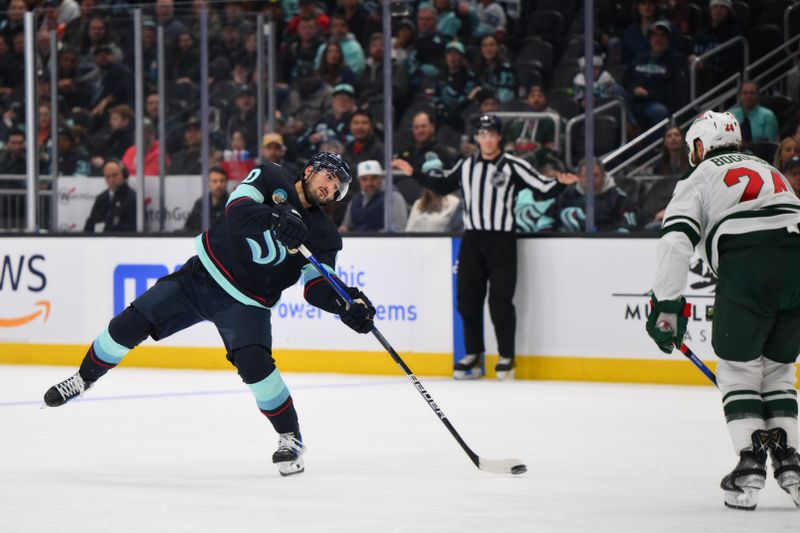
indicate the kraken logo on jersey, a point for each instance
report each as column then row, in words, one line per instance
column 276, row 252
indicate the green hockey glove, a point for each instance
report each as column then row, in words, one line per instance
column 667, row 322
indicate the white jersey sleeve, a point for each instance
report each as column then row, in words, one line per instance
column 729, row 193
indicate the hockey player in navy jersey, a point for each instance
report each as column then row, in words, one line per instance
column 243, row 263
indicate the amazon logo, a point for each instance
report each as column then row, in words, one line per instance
column 23, row 273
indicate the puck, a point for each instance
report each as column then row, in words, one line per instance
column 519, row 469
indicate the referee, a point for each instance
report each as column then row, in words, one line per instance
column 489, row 183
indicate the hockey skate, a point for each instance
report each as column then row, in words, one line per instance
column 505, row 368
column 288, row 456
column 468, row 367
column 70, row 388
column 742, row 485
column 786, row 464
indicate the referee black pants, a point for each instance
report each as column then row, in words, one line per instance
column 488, row 256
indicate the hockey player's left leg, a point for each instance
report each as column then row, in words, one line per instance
column 749, row 476
column 124, row 332
column 288, row 456
column 786, row 464
column 256, row 367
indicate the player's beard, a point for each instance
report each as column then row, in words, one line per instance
column 315, row 197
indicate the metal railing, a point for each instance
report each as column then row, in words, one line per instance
column 643, row 143
column 571, row 123
column 697, row 60
column 790, row 59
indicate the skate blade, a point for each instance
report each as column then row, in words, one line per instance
column 503, row 375
column 794, row 492
column 291, row 468
column 467, row 374
column 744, row 501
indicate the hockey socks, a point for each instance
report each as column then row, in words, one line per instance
column 124, row 332
column 275, row 402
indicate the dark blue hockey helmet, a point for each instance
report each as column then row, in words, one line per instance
column 334, row 163
column 488, row 122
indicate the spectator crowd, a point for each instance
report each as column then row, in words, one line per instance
column 451, row 61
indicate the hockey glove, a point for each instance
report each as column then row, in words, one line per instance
column 287, row 226
column 666, row 324
column 359, row 315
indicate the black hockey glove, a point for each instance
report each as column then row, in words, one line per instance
column 287, row 226
column 359, row 315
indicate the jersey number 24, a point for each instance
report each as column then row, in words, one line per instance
column 754, row 182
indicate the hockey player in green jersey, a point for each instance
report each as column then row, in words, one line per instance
column 742, row 216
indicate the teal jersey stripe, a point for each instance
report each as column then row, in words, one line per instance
column 270, row 392
column 109, row 350
column 221, row 280
column 309, row 272
column 246, row 190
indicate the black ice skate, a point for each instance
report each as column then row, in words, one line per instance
column 505, row 368
column 786, row 464
column 70, row 388
column 288, row 456
column 742, row 485
column 468, row 367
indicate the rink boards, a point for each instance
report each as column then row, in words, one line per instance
column 581, row 308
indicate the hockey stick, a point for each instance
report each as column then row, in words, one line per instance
column 685, row 350
column 498, row 466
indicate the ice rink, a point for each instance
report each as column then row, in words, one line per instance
column 187, row 451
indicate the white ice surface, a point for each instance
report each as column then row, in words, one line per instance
column 187, row 451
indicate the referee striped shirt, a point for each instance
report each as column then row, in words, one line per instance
column 489, row 188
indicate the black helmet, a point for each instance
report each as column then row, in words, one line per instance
column 488, row 122
column 338, row 166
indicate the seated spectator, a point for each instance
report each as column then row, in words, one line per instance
column 114, row 144
column 364, row 145
column 114, row 209
column 184, row 61
column 528, row 135
column 332, row 68
column 448, row 23
column 11, row 68
column 427, row 54
column 309, row 99
column 152, row 152
column 604, row 85
column 653, row 203
column 635, row 38
column 358, row 19
column 792, row 173
column 113, row 85
column 273, row 150
column 245, row 118
column 309, row 10
column 403, row 41
column 613, row 211
column 187, row 161
column 237, row 161
column 435, row 213
column 365, row 211
column 491, row 18
column 676, row 12
column 493, row 70
column 674, row 160
column 351, row 48
column 423, row 147
column 73, row 90
column 369, row 84
column 217, row 199
column 300, row 49
column 454, row 85
column 722, row 27
column 334, row 125
column 757, row 122
column 656, row 80
column 12, row 155
column 165, row 16
column 787, row 149
column 73, row 159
